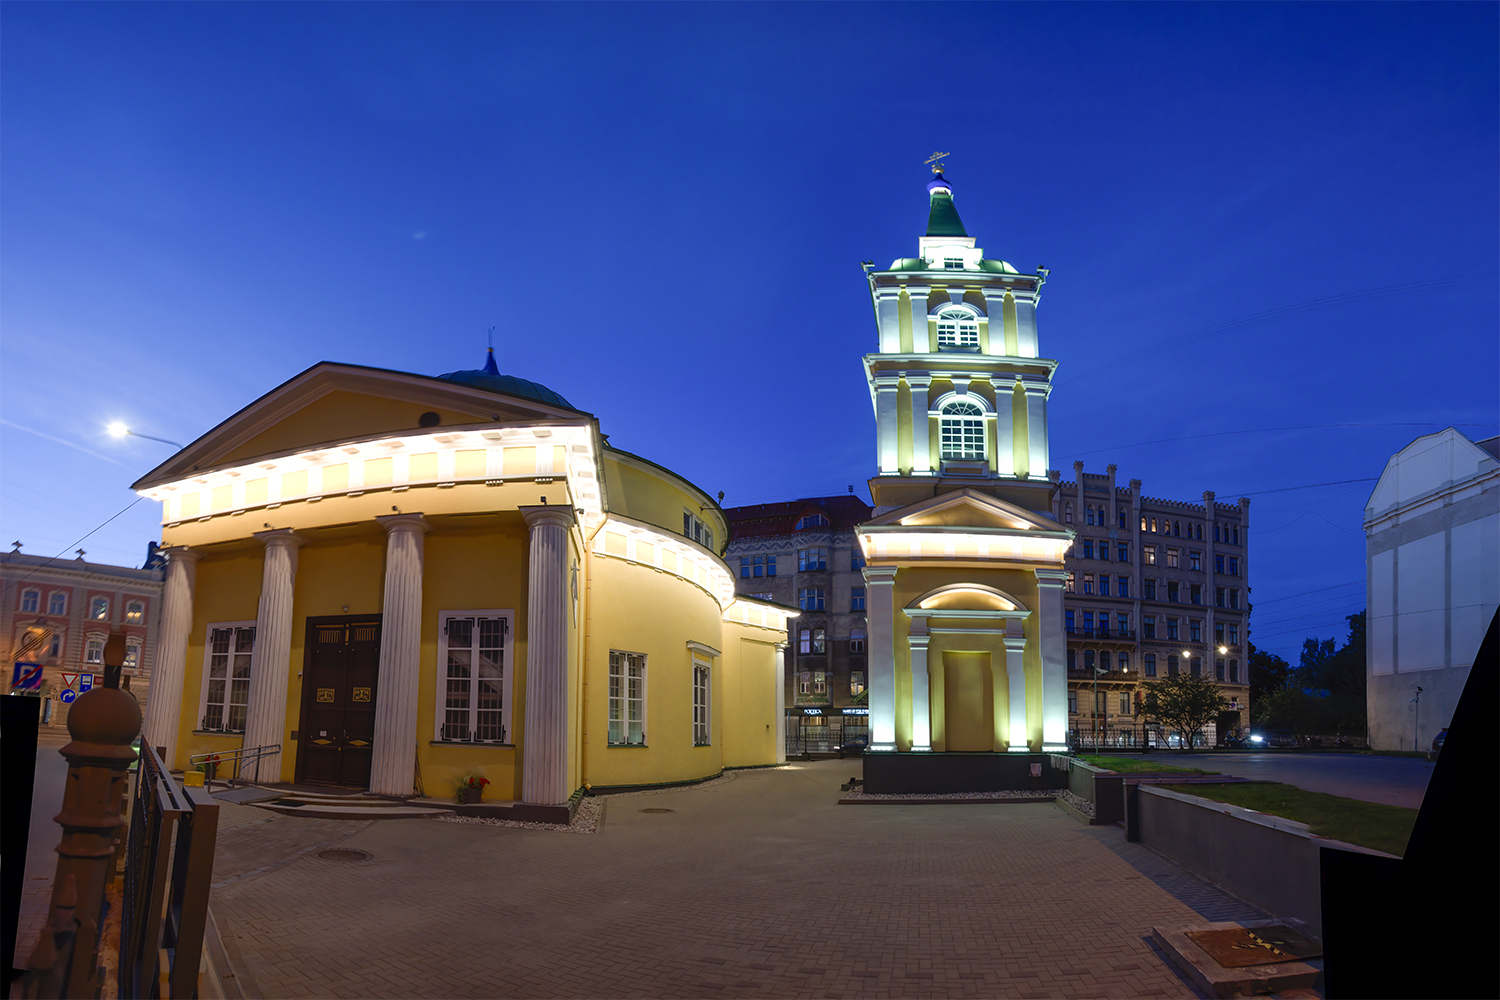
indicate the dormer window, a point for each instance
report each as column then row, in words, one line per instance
column 811, row 521
column 957, row 328
column 953, row 263
column 962, row 431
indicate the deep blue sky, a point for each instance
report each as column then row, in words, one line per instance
column 1256, row 216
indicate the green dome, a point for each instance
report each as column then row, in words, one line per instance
column 489, row 379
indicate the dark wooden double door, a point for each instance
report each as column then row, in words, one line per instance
column 337, row 731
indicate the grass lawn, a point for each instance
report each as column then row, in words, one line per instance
column 1138, row 765
column 1368, row 824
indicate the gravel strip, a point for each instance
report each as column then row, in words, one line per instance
column 1081, row 804
column 1005, row 793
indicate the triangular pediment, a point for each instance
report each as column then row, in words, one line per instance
column 966, row 509
column 332, row 403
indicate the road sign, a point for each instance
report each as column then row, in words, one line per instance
column 67, row 696
column 70, row 680
column 85, row 682
column 27, row 676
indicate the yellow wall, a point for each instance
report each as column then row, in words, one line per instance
column 341, row 416
column 644, row 493
column 227, row 590
column 473, row 569
column 913, row 582
column 745, row 701
column 638, row 609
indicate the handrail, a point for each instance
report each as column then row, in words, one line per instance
column 240, row 757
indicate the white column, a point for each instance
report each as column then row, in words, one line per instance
column 887, row 306
column 394, row 756
column 271, row 663
column 921, row 700
column 1054, row 659
column 885, row 422
column 544, row 769
column 164, row 700
column 1017, row 739
column 880, row 596
column 781, row 703
column 921, row 436
column 1026, row 338
column 1036, row 430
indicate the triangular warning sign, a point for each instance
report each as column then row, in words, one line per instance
column 69, row 680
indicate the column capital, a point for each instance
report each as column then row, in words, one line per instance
column 918, row 381
column 918, row 640
column 280, row 536
column 880, row 576
column 175, row 553
column 393, row 523
column 1014, row 643
column 887, row 383
column 556, row 515
column 1050, row 578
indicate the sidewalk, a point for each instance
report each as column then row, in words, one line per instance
column 757, row 886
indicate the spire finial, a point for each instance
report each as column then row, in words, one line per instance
column 936, row 161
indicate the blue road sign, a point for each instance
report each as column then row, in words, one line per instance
column 27, row 676
column 85, row 682
column 67, row 696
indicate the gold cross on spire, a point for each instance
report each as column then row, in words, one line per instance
column 936, row 160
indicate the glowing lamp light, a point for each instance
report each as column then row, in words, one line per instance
column 1186, row 654
column 1223, row 649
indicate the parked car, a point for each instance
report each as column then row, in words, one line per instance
column 854, row 746
column 1437, row 741
column 1283, row 738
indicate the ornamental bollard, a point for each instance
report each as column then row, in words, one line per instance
column 103, row 722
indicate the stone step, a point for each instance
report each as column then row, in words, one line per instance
column 362, row 809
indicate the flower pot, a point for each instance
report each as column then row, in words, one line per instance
column 471, row 795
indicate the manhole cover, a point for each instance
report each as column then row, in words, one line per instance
column 658, row 810
column 343, row 854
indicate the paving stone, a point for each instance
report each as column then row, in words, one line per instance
column 761, row 885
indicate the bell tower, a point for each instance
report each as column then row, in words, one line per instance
column 957, row 382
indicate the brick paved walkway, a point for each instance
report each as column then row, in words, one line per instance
column 759, row 886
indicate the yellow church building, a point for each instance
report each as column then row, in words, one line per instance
column 964, row 567
column 402, row 579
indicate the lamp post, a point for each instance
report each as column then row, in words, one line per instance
column 1416, row 716
column 118, row 430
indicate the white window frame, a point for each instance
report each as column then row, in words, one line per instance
column 208, row 653
column 60, row 599
column 621, row 663
column 133, row 655
column 135, row 612
column 94, row 603
column 93, row 648
column 702, row 702
column 961, row 429
column 506, row 616
column 957, row 328
column 31, row 601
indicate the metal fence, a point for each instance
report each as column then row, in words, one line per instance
column 1107, row 738
column 834, row 736
column 169, row 862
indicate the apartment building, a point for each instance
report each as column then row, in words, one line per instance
column 1154, row 587
column 804, row 554
column 59, row 612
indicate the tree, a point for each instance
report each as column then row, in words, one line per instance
column 1268, row 673
column 1184, row 702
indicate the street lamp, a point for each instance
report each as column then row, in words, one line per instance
column 119, row 430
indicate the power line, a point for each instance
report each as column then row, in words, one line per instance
column 1320, row 590
column 65, row 549
column 1270, row 430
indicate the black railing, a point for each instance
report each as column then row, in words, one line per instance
column 169, row 862
column 1103, row 633
column 834, row 737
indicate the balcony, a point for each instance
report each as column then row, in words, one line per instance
column 1122, row 634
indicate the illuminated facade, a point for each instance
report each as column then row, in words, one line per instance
column 964, row 566
column 1432, row 542
column 402, row 579
column 1154, row 587
column 805, row 554
column 65, row 609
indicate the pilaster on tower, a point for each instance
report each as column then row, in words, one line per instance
column 957, row 382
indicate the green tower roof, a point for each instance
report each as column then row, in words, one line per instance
column 942, row 217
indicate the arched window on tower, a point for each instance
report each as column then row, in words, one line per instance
column 962, row 431
column 957, row 328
